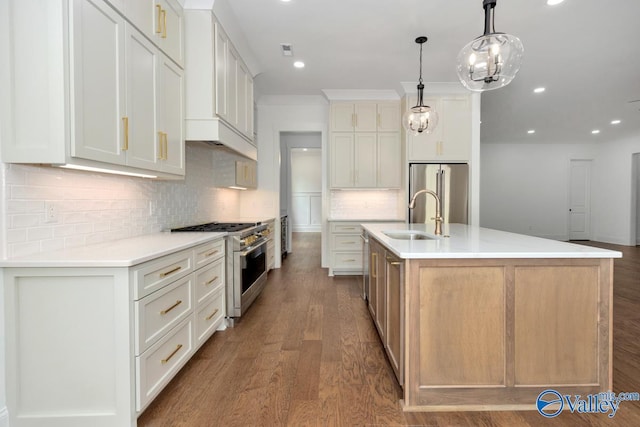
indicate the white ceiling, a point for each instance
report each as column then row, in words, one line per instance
column 585, row 52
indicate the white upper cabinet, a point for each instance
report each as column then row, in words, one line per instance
column 98, row 82
column 365, row 117
column 161, row 21
column 219, row 86
column 451, row 139
column 124, row 111
column 365, row 145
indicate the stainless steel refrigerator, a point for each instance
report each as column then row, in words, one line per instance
column 450, row 181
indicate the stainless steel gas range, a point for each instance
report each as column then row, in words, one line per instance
column 246, row 266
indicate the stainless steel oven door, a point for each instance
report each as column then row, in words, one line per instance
column 249, row 276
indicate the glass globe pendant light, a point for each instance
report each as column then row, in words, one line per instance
column 421, row 118
column 492, row 60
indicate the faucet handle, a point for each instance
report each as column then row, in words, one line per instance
column 437, row 218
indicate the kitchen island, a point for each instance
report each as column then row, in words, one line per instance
column 480, row 319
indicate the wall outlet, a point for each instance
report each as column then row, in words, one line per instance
column 50, row 212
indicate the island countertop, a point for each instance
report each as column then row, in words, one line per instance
column 467, row 241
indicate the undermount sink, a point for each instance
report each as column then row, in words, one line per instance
column 408, row 235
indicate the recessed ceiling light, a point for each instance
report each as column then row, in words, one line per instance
column 615, row 122
column 549, row 2
column 595, row 131
column 298, row 64
column 531, row 131
column 287, row 1
column 539, row 90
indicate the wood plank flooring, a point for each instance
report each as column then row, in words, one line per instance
column 307, row 354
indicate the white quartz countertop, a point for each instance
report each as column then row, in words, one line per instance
column 117, row 253
column 467, row 241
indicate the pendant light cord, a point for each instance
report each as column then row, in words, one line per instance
column 420, row 79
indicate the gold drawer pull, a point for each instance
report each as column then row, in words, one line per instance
column 211, row 281
column 209, row 317
column 395, row 262
column 163, row 361
column 165, row 274
column 349, row 243
column 349, row 260
column 212, row 253
column 166, row 310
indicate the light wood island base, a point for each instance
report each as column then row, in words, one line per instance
column 491, row 334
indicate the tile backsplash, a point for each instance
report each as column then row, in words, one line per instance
column 92, row 208
column 367, row 204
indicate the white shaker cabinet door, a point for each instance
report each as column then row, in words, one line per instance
column 365, row 160
column 98, row 88
column 342, row 152
column 389, row 160
column 170, row 114
column 141, row 58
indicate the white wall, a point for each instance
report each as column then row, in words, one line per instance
column 612, row 187
column 278, row 114
column 524, row 188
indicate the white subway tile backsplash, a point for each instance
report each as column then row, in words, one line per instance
column 94, row 208
column 366, row 204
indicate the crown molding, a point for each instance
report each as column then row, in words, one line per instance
column 361, row 94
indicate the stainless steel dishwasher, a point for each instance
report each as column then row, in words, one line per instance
column 365, row 264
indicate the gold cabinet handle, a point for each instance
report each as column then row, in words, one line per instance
column 212, row 314
column 166, row 273
column 166, row 310
column 158, row 23
column 211, row 281
column 353, row 120
column 166, row 146
column 165, row 360
column 395, row 262
column 125, row 123
column 164, row 26
column 212, row 253
column 160, row 155
column 378, row 120
column 349, row 260
column 374, row 262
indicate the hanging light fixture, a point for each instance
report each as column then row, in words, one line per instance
column 421, row 118
column 492, row 60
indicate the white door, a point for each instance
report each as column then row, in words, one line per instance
column 365, row 160
column 170, row 115
column 580, row 200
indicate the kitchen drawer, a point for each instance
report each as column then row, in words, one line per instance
column 157, row 313
column 209, row 279
column 347, row 261
column 346, row 242
column 156, row 366
column 351, row 228
column 204, row 254
column 209, row 316
column 153, row 275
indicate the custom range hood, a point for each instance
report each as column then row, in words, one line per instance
column 218, row 87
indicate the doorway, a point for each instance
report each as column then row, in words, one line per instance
column 580, row 200
column 301, row 182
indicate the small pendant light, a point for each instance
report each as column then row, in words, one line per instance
column 492, row 60
column 421, row 118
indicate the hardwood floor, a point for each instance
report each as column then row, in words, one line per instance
column 307, row 354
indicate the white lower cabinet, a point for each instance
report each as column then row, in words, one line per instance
column 346, row 248
column 95, row 345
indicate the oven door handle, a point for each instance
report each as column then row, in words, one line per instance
column 250, row 249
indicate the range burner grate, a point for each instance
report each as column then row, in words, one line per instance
column 228, row 227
